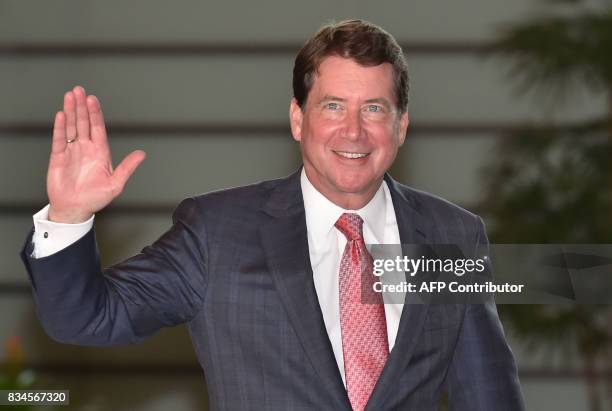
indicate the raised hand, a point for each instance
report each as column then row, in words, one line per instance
column 80, row 178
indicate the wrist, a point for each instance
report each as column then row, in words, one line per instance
column 68, row 217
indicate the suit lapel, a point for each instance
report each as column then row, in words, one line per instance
column 284, row 239
column 412, row 230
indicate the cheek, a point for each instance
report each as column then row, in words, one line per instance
column 385, row 138
column 325, row 127
column 319, row 135
column 386, row 154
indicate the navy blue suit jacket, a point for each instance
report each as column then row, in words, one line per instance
column 235, row 267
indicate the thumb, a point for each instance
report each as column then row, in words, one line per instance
column 126, row 168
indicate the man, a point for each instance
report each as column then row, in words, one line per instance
column 267, row 276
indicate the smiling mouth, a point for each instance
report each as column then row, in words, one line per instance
column 347, row 154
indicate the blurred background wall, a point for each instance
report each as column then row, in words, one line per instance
column 204, row 88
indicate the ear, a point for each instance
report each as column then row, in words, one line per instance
column 295, row 119
column 403, row 127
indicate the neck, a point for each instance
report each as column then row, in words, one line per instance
column 350, row 201
column 346, row 200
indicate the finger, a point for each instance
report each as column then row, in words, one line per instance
column 82, row 115
column 58, row 144
column 96, row 119
column 70, row 111
column 126, row 168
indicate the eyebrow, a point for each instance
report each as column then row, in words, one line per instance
column 380, row 100
column 328, row 98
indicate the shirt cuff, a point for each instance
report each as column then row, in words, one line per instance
column 50, row 237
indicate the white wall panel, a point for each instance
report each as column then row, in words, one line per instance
column 447, row 166
column 236, row 20
column 555, row 395
column 175, row 167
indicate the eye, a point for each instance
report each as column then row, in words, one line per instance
column 332, row 106
column 374, row 108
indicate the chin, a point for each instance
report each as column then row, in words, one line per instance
column 353, row 185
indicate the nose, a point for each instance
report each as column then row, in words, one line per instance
column 353, row 124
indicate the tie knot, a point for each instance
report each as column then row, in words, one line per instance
column 351, row 225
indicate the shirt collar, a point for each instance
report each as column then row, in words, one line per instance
column 322, row 214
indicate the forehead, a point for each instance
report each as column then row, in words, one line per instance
column 346, row 78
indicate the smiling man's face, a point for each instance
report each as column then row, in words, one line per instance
column 349, row 130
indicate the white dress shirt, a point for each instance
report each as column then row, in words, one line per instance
column 325, row 244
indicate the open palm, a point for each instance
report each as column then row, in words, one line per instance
column 80, row 178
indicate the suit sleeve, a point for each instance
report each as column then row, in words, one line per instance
column 483, row 374
column 164, row 285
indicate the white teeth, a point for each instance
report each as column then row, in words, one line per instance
column 351, row 155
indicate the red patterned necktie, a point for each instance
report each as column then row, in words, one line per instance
column 362, row 317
